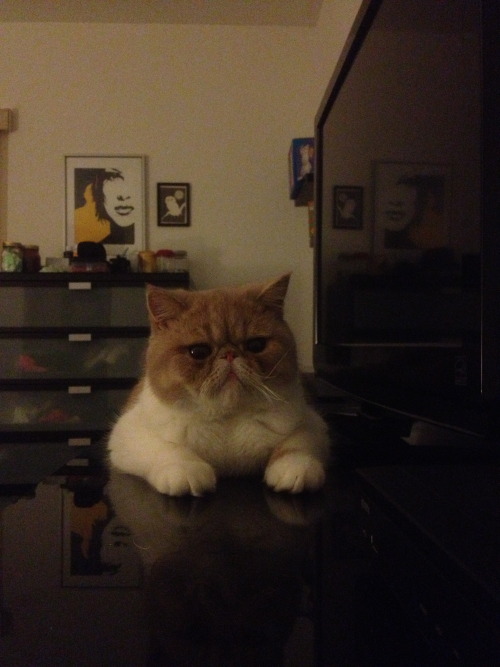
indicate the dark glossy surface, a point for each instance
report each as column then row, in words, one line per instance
column 99, row 569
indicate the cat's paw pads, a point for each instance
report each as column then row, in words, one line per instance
column 295, row 472
column 193, row 478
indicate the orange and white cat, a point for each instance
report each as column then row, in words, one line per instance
column 220, row 396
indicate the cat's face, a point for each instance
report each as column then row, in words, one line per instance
column 220, row 347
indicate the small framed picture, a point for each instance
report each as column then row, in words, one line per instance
column 174, row 204
column 347, row 207
column 105, row 201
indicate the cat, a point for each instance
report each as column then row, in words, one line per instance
column 220, row 396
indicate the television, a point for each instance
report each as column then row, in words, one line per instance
column 407, row 204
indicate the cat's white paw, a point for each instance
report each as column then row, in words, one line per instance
column 295, row 472
column 184, row 478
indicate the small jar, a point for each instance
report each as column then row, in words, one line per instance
column 12, row 257
column 172, row 261
column 31, row 259
column 147, row 261
column 163, row 257
column 179, row 262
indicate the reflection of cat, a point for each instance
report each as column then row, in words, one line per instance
column 225, row 574
column 220, row 396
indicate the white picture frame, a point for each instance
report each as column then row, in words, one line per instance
column 105, row 202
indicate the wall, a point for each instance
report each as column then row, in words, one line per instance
column 215, row 106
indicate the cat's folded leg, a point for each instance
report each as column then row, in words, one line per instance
column 299, row 463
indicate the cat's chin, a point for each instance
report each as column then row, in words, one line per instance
column 227, row 398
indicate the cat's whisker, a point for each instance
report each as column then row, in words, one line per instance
column 139, row 546
column 255, row 381
column 270, row 374
column 269, row 393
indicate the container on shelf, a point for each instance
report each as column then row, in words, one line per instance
column 31, row 259
column 171, row 261
column 12, row 257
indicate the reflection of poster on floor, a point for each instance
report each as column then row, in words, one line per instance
column 411, row 206
column 97, row 549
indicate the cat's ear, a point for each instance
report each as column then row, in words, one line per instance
column 273, row 294
column 164, row 305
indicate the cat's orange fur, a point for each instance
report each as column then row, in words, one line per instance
column 220, row 395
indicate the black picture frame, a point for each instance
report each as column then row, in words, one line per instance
column 176, row 212
column 348, row 207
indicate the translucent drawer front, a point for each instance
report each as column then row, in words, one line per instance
column 79, row 355
column 63, row 306
column 78, row 408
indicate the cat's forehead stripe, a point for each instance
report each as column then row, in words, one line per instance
column 224, row 317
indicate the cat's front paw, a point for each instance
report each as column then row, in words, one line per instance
column 295, row 472
column 193, row 478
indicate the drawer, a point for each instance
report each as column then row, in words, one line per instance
column 73, row 304
column 77, row 408
column 79, row 355
column 27, row 463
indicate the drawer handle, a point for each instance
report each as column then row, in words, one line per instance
column 79, row 337
column 79, row 442
column 80, row 389
column 83, row 285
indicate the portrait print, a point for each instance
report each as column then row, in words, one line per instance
column 105, row 202
column 411, row 206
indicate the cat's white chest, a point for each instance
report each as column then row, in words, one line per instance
column 241, row 442
column 237, row 444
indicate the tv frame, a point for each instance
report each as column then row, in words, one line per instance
column 483, row 424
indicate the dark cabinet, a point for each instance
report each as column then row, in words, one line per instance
column 71, row 347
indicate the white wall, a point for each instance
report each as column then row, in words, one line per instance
column 215, row 106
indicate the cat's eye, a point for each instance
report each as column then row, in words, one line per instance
column 256, row 345
column 200, row 351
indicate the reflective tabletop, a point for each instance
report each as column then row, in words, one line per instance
column 97, row 568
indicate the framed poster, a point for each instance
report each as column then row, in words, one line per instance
column 174, row 204
column 105, row 202
column 347, row 207
column 412, row 203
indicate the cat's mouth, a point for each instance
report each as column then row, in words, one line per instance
column 226, row 378
column 231, row 383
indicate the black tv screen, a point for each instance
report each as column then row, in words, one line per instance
column 407, row 256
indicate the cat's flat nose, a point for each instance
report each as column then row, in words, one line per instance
column 229, row 355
